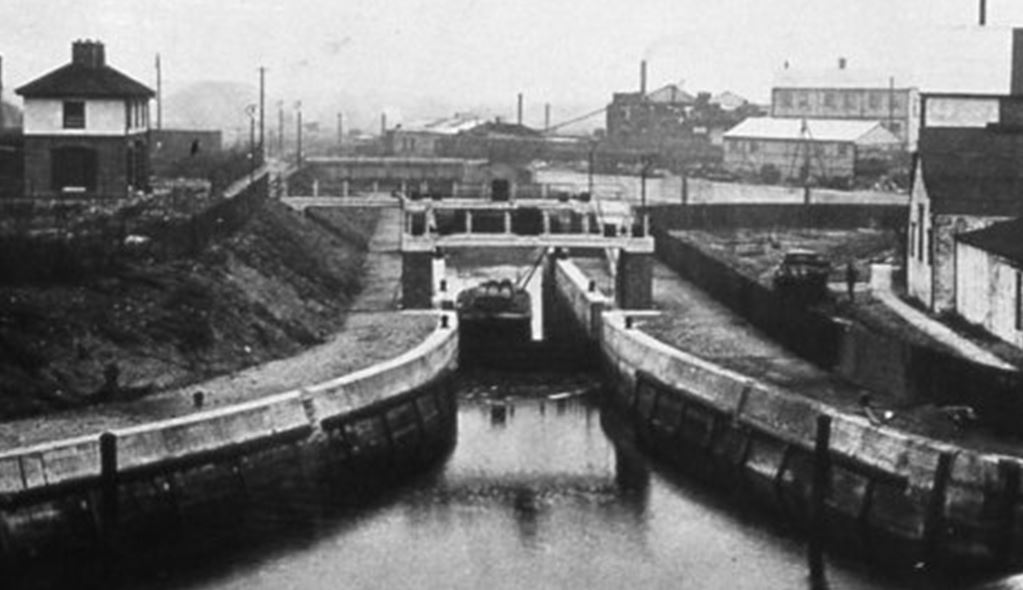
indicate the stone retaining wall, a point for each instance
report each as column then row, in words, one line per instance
column 892, row 497
column 77, row 494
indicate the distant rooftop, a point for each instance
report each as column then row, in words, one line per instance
column 839, row 78
column 446, row 126
column 728, row 100
column 667, row 94
column 842, row 130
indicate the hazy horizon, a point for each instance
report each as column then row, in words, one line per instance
column 416, row 59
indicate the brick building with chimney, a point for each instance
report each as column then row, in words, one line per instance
column 86, row 129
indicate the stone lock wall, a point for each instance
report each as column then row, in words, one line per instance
column 198, row 477
column 890, row 496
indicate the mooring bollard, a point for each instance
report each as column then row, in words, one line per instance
column 628, row 322
column 198, row 399
column 443, row 285
column 592, row 286
column 444, row 321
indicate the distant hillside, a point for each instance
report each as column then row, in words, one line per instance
column 12, row 114
column 211, row 105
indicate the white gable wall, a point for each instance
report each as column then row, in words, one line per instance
column 102, row 117
column 986, row 292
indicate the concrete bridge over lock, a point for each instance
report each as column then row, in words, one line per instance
column 431, row 227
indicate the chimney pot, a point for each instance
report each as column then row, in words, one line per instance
column 88, row 53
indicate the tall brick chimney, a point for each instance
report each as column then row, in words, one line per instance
column 642, row 77
column 1016, row 81
column 88, row 53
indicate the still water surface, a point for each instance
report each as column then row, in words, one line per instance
column 536, row 495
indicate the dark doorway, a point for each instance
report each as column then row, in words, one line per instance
column 500, row 190
column 73, row 168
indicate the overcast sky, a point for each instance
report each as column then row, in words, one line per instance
column 465, row 53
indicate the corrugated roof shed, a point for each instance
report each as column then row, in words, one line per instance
column 972, row 171
column 1004, row 239
column 840, row 130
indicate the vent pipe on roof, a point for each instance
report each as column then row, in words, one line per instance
column 642, row 77
column 519, row 119
column 1016, row 80
column 982, row 19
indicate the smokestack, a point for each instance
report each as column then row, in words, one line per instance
column 383, row 124
column 642, row 77
column 1016, row 82
column 842, row 62
column 546, row 116
column 520, row 109
column 982, row 20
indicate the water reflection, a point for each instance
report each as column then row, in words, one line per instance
column 534, row 498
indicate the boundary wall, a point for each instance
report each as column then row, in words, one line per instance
column 212, row 471
column 890, row 497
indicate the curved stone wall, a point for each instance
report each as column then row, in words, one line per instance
column 73, row 492
column 891, row 496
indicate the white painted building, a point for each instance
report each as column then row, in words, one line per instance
column 989, row 279
column 86, row 129
column 817, row 148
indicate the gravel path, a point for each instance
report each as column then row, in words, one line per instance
column 374, row 331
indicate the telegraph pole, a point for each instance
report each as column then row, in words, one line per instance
column 262, row 110
column 298, row 124
column 159, row 94
column 280, row 128
column 340, row 129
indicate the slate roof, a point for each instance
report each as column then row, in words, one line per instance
column 1004, row 239
column 973, row 171
column 846, row 78
column 841, row 130
column 79, row 80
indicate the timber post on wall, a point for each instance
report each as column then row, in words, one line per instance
column 818, row 494
column 633, row 280
column 108, row 509
column 416, row 280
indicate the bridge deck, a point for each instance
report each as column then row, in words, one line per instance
column 480, row 240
